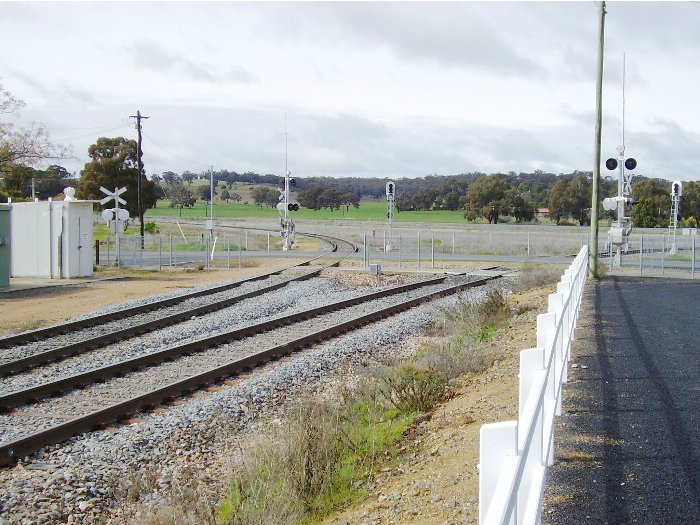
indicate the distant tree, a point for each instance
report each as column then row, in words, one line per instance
column 690, row 201
column 309, row 197
column 180, row 197
column 113, row 165
column 170, row 177
column 579, row 199
column 514, row 202
column 225, row 195
column 660, row 198
column 188, row 177
column 329, row 198
column 558, row 205
column 266, row 195
column 156, row 178
column 350, row 199
column 236, row 197
column 203, row 192
column 644, row 213
column 484, row 194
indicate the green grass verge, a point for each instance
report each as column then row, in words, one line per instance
column 368, row 211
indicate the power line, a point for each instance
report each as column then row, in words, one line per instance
column 174, row 154
column 91, row 134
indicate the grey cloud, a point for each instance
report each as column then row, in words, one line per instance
column 446, row 33
column 150, row 55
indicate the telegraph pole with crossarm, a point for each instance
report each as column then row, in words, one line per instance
column 139, row 161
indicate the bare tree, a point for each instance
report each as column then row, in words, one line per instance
column 27, row 146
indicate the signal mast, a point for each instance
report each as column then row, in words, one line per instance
column 285, row 206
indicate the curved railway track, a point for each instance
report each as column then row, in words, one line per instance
column 101, row 396
column 112, row 327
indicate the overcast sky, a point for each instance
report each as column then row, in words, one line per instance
column 369, row 89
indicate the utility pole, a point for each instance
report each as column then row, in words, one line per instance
column 593, row 244
column 138, row 118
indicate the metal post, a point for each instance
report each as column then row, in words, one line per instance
column 108, row 259
column 228, row 253
column 528, row 244
column 432, row 251
column 118, row 250
column 418, row 258
column 692, row 264
column 240, row 264
column 399, row 251
column 206, row 252
column 663, row 249
column 160, row 252
column 641, row 255
column 365, row 258
column 610, row 255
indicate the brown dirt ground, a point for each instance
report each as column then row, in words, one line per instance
column 434, row 481
column 34, row 308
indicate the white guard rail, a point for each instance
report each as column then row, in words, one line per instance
column 514, row 455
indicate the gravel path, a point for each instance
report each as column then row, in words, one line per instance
column 628, row 444
column 78, row 481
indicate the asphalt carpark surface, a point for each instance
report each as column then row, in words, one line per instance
column 627, row 446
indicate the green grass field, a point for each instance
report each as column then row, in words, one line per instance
column 372, row 211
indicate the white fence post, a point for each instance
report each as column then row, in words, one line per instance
column 498, row 447
column 514, row 455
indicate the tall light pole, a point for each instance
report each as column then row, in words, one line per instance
column 593, row 244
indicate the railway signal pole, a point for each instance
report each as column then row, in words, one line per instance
column 390, row 196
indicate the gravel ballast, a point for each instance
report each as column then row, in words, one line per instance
column 84, row 479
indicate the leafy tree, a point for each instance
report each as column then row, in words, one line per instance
column 309, row 198
column 188, row 177
column 203, row 192
column 558, row 207
column 659, row 201
column 579, row 198
column 113, row 165
column 181, row 197
column 170, row 177
column 485, row 193
column 350, row 199
column 329, row 198
column 514, row 202
column 266, row 195
column 644, row 213
column 225, row 195
column 690, row 201
column 236, row 197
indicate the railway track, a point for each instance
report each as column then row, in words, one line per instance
column 57, row 342
column 101, row 396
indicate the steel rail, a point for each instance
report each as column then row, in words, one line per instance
column 71, row 326
column 86, row 345
column 60, row 386
column 10, row 452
